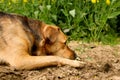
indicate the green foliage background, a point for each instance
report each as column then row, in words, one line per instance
column 79, row 19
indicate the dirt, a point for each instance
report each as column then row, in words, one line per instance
column 102, row 63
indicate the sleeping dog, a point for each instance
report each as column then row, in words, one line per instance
column 28, row 44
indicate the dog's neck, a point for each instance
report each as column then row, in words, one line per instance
column 35, row 28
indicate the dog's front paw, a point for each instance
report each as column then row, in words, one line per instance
column 78, row 64
column 73, row 63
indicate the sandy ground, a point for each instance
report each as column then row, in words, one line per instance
column 103, row 63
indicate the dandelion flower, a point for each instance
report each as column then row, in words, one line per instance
column 14, row 1
column 93, row 1
column 25, row 1
column 108, row 2
column 1, row 1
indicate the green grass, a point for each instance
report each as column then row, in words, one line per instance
column 80, row 19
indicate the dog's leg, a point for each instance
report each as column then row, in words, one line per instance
column 32, row 62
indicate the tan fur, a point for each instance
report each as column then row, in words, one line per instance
column 27, row 44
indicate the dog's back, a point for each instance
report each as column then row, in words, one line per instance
column 16, row 28
column 13, row 35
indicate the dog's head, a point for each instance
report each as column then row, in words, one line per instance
column 55, row 42
column 47, row 39
column 52, row 40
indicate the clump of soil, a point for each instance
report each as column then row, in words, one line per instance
column 102, row 63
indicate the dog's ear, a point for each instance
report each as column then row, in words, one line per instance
column 51, row 34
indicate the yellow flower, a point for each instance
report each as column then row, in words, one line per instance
column 9, row 3
column 25, row 1
column 94, row 1
column 108, row 2
column 1, row 1
column 14, row 1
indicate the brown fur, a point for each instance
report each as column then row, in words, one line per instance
column 26, row 43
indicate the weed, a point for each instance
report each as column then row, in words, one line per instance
column 88, row 20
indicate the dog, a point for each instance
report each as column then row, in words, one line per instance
column 27, row 43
